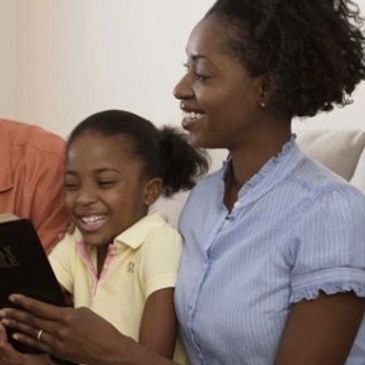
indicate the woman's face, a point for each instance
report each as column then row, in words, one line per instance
column 220, row 101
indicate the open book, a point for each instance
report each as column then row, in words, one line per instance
column 24, row 268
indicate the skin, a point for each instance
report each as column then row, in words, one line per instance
column 70, row 334
column 321, row 332
column 232, row 116
column 9, row 356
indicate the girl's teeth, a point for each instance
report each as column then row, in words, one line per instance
column 92, row 223
column 92, row 219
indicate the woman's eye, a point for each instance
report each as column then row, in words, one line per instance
column 201, row 77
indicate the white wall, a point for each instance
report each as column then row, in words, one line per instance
column 65, row 59
column 79, row 57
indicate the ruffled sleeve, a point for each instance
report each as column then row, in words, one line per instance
column 329, row 246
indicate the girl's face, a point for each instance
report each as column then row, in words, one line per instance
column 220, row 100
column 105, row 187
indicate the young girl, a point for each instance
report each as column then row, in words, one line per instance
column 121, row 262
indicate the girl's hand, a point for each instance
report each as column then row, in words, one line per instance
column 74, row 334
column 9, row 356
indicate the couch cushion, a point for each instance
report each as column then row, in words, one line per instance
column 340, row 150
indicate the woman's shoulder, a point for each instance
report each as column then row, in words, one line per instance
column 327, row 198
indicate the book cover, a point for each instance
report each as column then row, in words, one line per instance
column 24, row 268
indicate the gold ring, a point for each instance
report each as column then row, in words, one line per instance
column 39, row 335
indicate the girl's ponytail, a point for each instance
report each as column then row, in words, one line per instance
column 180, row 163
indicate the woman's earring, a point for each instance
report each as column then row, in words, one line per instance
column 263, row 104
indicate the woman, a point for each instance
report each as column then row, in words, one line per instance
column 273, row 266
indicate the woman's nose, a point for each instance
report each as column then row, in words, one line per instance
column 183, row 89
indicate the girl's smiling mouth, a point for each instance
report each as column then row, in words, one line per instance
column 91, row 223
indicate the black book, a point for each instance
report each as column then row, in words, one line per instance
column 25, row 269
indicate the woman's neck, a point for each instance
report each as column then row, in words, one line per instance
column 248, row 160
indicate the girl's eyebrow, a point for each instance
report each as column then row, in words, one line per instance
column 98, row 171
column 104, row 169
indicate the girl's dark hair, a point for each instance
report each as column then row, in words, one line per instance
column 164, row 152
column 313, row 50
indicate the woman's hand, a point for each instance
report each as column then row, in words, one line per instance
column 74, row 334
column 9, row 356
column 77, row 335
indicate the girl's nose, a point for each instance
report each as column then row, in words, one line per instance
column 86, row 197
column 183, row 89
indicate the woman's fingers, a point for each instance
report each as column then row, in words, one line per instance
column 37, row 338
column 37, row 307
column 77, row 334
column 36, row 315
column 8, row 355
column 20, row 320
column 33, row 342
column 3, row 336
column 20, row 326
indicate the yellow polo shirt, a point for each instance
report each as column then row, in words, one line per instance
column 140, row 261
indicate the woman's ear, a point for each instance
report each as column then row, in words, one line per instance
column 265, row 91
column 153, row 189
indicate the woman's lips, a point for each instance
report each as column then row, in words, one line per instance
column 191, row 119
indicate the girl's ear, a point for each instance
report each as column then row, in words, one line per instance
column 153, row 189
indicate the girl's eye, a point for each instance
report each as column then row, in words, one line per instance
column 70, row 186
column 106, row 183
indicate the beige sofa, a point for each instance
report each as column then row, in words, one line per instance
column 340, row 150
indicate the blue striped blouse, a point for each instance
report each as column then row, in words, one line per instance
column 295, row 229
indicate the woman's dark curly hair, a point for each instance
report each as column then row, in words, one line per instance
column 312, row 49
